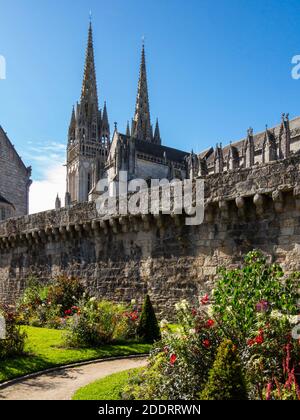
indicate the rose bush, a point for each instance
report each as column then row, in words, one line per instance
column 95, row 323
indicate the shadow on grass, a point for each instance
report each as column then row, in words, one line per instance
column 22, row 365
column 30, row 363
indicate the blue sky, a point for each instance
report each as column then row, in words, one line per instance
column 214, row 68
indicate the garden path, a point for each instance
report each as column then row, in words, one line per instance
column 62, row 384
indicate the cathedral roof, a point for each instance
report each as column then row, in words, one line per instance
column 156, row 150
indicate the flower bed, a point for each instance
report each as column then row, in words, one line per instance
column 247, row 325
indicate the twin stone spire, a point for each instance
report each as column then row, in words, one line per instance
column 88, row 123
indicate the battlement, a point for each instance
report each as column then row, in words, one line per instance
column 236, row 191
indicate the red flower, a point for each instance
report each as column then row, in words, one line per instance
column 173, row 359
column 250, row 343
column 194, row 312
column 205, row 299
column 210, row 323
column 68, row 312
column 206, row 343
column 259, row 339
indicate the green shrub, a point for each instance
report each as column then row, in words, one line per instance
column 96, row 323
column 226, row 381
column 14, row 343
column 148, row 329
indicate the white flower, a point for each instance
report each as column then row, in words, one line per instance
column 184, row 304
column 294, row 319
column 192, row 331
column 93, row 299
column 275, row 314
column 133, row 302
column 43, row 305
column 210, row 311
column 163, row 323
column 177, row 306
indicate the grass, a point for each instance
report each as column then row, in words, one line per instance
column 108, row 388
column 44, row 349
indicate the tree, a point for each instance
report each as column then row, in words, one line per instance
column 226, row 381
column 148, row 329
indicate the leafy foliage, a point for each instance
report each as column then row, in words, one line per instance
column 180, row 362
column 14, row 342
column 255, row 307
column 241, row 294
column 96, row 323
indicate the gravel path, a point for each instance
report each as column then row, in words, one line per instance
column 62, row 384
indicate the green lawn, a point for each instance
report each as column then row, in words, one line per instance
column 44, row 350
column 108, row 388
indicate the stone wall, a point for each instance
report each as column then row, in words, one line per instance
column 123, row 258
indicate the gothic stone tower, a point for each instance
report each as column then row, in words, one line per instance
column 141, row 124
column 89, row 136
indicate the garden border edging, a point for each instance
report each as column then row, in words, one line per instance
column 6, row 384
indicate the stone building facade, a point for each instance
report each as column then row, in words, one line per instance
column 14, row 180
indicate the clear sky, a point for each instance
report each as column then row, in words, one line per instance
column 214, row 68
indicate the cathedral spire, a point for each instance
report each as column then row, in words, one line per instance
column 128, row 129
column 105, row 128
column 89, row 84
column 157, row 138
column 72, row 127
column 142, row 122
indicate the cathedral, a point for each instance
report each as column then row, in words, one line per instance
column 93, row 153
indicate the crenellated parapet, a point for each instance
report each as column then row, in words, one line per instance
column 228, row 196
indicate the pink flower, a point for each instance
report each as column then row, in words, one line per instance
column 262, row 306
column 269, row 390
column 205, row 299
